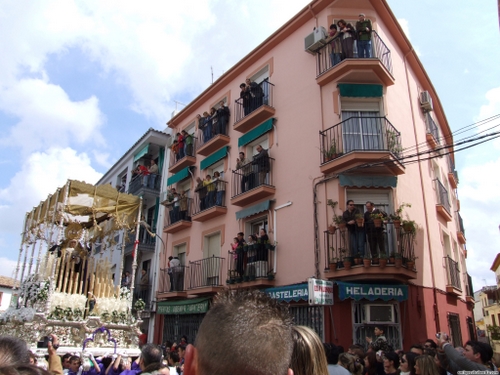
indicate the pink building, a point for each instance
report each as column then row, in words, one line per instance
column 365, row 129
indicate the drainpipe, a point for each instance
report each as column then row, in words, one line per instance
column 436, row 306
column 313, row 14
column 274, row 226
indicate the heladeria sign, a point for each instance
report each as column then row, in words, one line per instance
column 320, row 292
column 372, row 291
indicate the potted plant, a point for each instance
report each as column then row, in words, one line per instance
column 331, row 152
column 347, row 262
column 357, row 259
column 377, row 219
column 392, row 258
column 340, row 223
column 333, row 264
column 383, row 260
column 396, row 216
column 246, row 278
column 409, row 226
column 270, row 275
column 398, row 260
column 410, row 263
column 270, row 246
column 332, row 228
column 393, row 142
column 360, row 220
column 367, row 261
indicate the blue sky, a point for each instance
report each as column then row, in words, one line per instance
column 81, row 81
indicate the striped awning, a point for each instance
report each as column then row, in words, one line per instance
column 256, row 132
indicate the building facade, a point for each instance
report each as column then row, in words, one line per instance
column 118, row 252
column 316, row 131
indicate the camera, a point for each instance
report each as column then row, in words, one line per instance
column 44, row 343
column 438, row 336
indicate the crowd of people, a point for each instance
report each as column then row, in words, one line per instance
column 344, row 34
column 211, row 192
column 177, row 205
column 251, row 96
column 247, row 332
column 214, row 122
column 182, row 145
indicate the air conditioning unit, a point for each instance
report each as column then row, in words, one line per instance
column 315, row 40
column 379, row 313
column 426, row 101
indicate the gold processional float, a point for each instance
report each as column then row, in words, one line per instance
column 69, row 291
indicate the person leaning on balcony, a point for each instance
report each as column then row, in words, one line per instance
column 183, row 205
column 180, row 148
column 375, row 235
column 151, row 177
column 207, row 127
column 356, row 234
column 240, row 260
column 175, row 267
column 364, row 36
column 188, row 143
column 214, row 119
column 244, row 168
column 262, row 162
column 202, row 192
column 223, row 117
column 220, row 187
column 347, row 36
column 210, row 186
column 256, row 93
column 336, row 54
column 246, row 97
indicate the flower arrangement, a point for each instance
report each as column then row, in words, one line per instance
column 22, row 315
column 398, row 213
column 139, row 305
column 35, row 291
column 377, row 216
column 64, row 306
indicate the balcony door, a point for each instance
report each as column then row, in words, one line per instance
column 362, row 130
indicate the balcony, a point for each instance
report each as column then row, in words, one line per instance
column 249, row 114
column 178, row 215
column 206, row 276
column 452, row 174
column 443, row 206
column 469, row 290
column 172, row 283
column 252, row 182
column 251, row 266
column 392, row 244
column 146, row 243
column 182, row 159
column 377, row 69
column 461, row 230
column 432, row 133
column 145, row 185
column 359, row 142
column 210, row 201
column 454, row 285
column 143, row 292
column 213, row 134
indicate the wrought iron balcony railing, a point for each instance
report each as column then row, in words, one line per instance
column 453, row 273
column 151, row 181
column 173, row 279
column 442, row 195
column 256, row 173
column 262, row 96
column 380, row 51
column 178, row 210
column 213, row 194
column 359, row 134
column 251, row 262
column 206, row 272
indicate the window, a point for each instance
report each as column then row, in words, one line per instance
column 446, row 245
column 471, row 328
column 254, row 226
column 180, row 252
column 212, row 245
column 260, row 75
column 251, row 148
column 309, row 316
column 217, row 167
column 454, row 328
column 362, row 330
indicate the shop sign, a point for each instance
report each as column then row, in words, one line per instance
column 372, row 292
column 183, row 307
column 320, row 292
column 289, row 293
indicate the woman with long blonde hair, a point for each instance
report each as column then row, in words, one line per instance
column 425, row 365
column 308, row 357
column 351, row 363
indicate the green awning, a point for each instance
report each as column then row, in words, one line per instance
column 182, row 307
column 141, row 153
column 181, row 175
column 214, row 158
column 360, row 91
column 368, row 181
column 252, row 210
column 256, row 132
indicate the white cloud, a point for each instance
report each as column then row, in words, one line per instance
column 7, row 267
column 40, row 176
column 406, row 28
